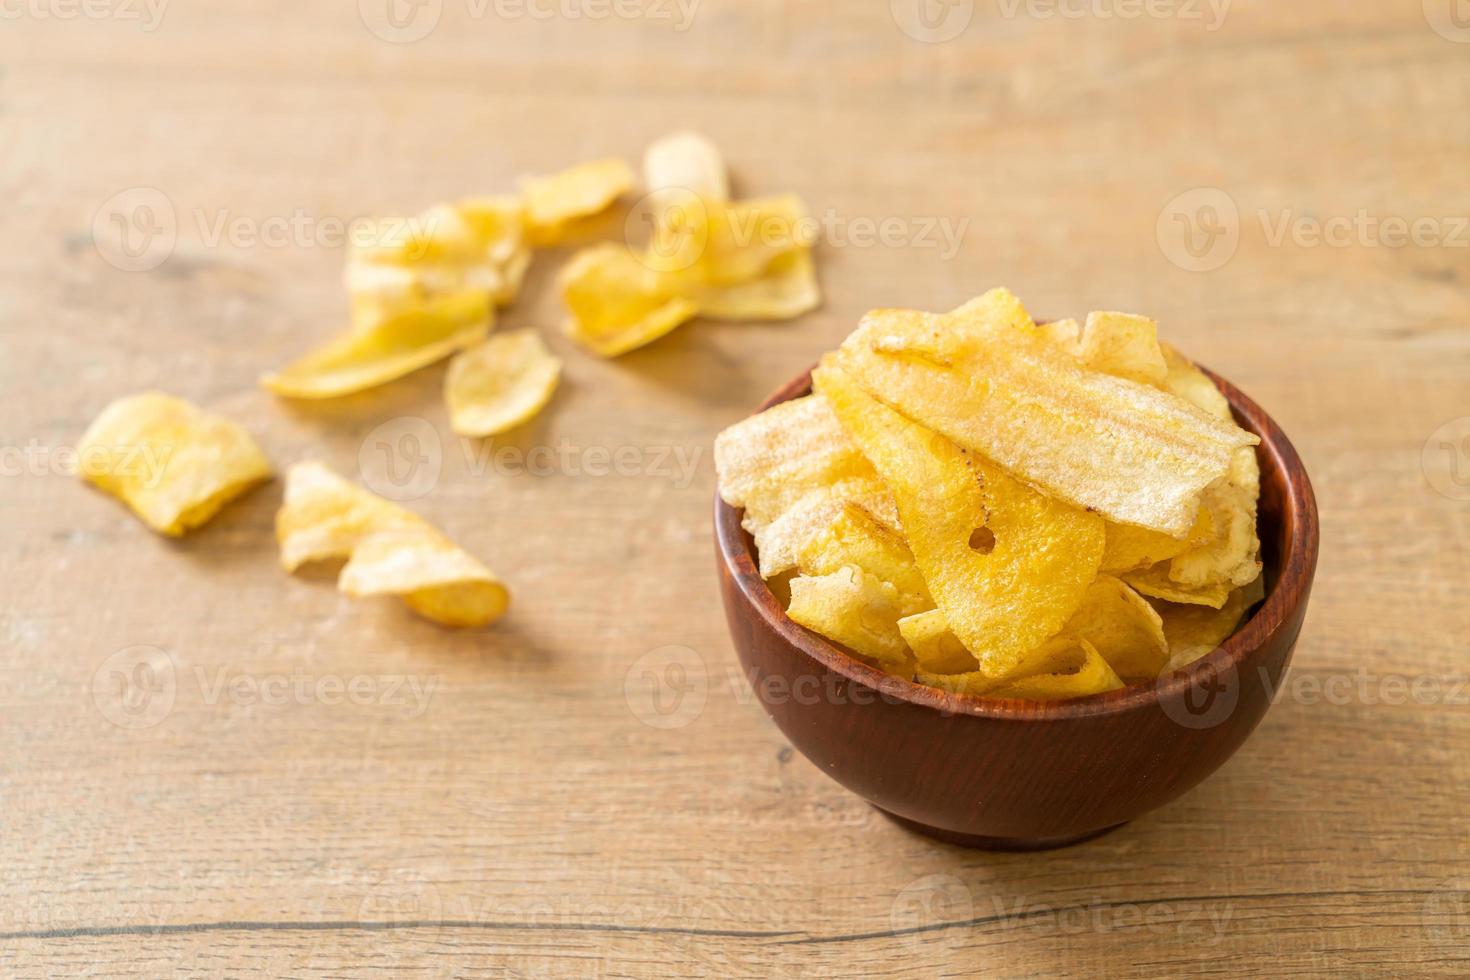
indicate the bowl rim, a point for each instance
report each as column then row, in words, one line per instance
column 1297, row 565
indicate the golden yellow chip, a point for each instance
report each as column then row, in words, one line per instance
column 1130, row 548
column 857, row 538
column 1155, row 583
column 437, row 579
column 554, row 203
column 617, row 303
column 935, row 647
column 390, row 550
column 786, row 289
column 1123, row 345
column 399, row 345
column 779, row 541
column 854, row 609
column 174, row 464
column 500, row 384
column 1128, row 451
column 1007, row 565
column 1067, row 667
column 1230, row 555
column 735, row 243
column 1193, row 631
column 767, row 462
column 476, row 244
column 1123, row 627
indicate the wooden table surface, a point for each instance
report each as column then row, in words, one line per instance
column 306, row 784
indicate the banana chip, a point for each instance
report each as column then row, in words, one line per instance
column 786, row 288
column 1193, row 631
column 1068, row 668
column 685, row 163
column 1123, row 345
column 935, row 647
column 1130, row 548
column 389, row 550
column 779, row 542
column 854, row 537
column 854, row 609
column 396, row 346
column 476, row 244
column 1156, row 584
column 617, row 303
column 555, row 203
column 1006, row 565
column 1133, row 453
column 1123, row 627
column 174, row 464
column 500, row 384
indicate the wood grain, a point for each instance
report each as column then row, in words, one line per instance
column 524, row 819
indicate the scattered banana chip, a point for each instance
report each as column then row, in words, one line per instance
column 1193, row 631
column 744, row 260
column 1007, row 565
column 437, row 579
column 1130, row 452
column 786, row 288
column 476, row 244
column 855, row 609
column 389, row 550
column 617, row 303
column 685, row 163
column 398, row 345
column 500, row 384
column 174, row 464
column 555, row 203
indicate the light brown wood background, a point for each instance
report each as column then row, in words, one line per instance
column 520, row 818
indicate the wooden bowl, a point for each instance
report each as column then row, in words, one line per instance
column 1019, row 775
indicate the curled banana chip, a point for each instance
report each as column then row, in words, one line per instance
column 389, row 550
column 1155, row 583
column 396, row 346
column 786, row 288
column 555, row 203
column 935, row 646
column 1193, row 631
column 617, row 303
column 854, row 537
column 1123, row 627
column 500, row 384
column 174, row 464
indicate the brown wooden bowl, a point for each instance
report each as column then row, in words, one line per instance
column 1008, row 774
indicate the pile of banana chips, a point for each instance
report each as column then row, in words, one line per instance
column 997, row 507
column 429, row 287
